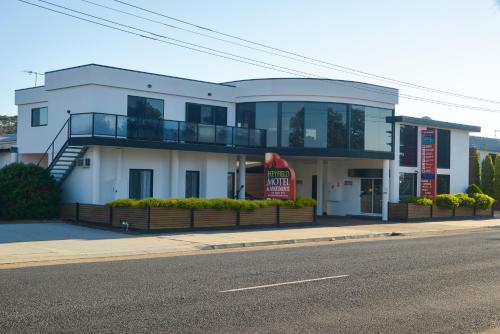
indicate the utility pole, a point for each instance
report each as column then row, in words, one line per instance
column 34, row 73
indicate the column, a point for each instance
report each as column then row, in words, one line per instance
column 385, row 191
column 119, row 186
column 394, row 168
column 13, row 157
column 174, row 174
column 96, row 174
column 242, row 175
column 319, row 187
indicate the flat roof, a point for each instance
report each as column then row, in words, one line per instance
column 485, row 144
column 433, row 123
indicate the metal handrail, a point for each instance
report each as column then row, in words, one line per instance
column 46, row 153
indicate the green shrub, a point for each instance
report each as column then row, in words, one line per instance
column 418, row 200
column 484, row 201
column 476, row 168
column 447, row 201
column 473, row 189
column 496, row 182
column 488, row 176
column 214, row 203
column 465, row 200
column 27, row 191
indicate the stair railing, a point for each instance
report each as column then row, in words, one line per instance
column 52, row 147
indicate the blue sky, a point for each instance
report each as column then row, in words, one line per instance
column 446, row 44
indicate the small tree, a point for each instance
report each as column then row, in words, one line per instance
column 27, row 191
column 488, row 176
column 476, row 168
column 496, row 181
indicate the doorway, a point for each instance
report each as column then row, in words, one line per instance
column 314, row 187
column 371, row 196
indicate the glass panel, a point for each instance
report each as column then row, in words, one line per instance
column 378, row 133
column 224, row 135
column 443, row 184
column 315, row 123
column 104, row 125
column 206, row 115
column 121, row 126
column 230, row 185
column 44, row 116
column 408, row 145
column 407, row 185
column 151, row 129
column 145, row 107
column 366, row 195
column 220, row 115
column 357, row 131
column 377, row 196
column 206, row 133
column 292, row 124
column 170, row 131
column 337, row 125
column 192, row 184
column 240, row 137
column 443, row 149
column 81, row 124
column 35, row 117
column 245, row 115
column 193, row 113
column 266, row 117
column 188, row 132
column 140, row 183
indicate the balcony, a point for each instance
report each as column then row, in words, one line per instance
column 123, row 128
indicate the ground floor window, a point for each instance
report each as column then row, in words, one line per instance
column 230, row 185
column 407, row 185
column 443, row 184
column 192, row 183
column 141, row 183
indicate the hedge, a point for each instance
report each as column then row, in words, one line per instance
column 473, row 189
column 214, row 203
column 465, row 200
column 484, row 201
column 447, row 201
column 418, row 200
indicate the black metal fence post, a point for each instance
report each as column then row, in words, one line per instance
column 77, row 218
column 111, row 216
column 149, row 219
column 192, row 218
column 277, row 214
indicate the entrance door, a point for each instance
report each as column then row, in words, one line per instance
column 371, row 196
column 314, row 192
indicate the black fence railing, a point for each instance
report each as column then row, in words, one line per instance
column 124, row 127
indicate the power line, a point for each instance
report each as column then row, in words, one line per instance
column 315, row 60
column 230, row 56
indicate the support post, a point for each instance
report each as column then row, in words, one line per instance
column 385, row 191
column 242, row 176
column 174, row 174
column 96, row 174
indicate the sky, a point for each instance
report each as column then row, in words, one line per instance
column 451, row 45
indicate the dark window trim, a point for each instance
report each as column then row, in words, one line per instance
column 141, row 170
column 197, row 172
column 38, row 108
column 206, row 105
column 151, row 98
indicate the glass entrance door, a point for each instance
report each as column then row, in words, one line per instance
column 371, row 196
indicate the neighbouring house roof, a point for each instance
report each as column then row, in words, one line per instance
column 485, row 144
column 426, row 121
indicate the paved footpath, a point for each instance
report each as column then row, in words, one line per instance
column 56, row 242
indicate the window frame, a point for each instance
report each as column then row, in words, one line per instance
column 197, row 173
column 212, row 110
column 415, row 153
column 447, row 176
column 130, row 178
column 39, row 110
column 147, row 98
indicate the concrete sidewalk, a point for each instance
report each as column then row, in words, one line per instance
column 21, row 245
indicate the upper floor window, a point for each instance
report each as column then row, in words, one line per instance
column 206, row 114
column 443, row 148
column 145, row 107
column 260, row 115
column 39, row 116
column 408, row 145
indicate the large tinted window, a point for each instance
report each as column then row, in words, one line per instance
column 140, row 183
column 206, row 114
column 39, row 116
column 144, row 107
column 260, row 115
column 443, row 143
column 192, row 184
column 407, row 185
column 408, row 146
column 357, row 130
column 315, row 124
column 337, row 125
column 443, row 184
column 292, row 124
column 378, row 133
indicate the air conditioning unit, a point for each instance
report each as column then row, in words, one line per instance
column 86, row 163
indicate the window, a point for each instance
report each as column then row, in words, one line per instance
column 443, row 184
column 260, row 115
column 192, row 184
column 378, row 133
column 230, row 185
column 206, row 114
column 407, row 185
column 39, row 116
column 140, row 183
column 357, row 131
column 292, row 124
column 443, row 149
column 315, row 124
column 408, row 147
column 144, row 107
column 337, row 125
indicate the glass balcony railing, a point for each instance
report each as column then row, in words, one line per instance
column 124, row 127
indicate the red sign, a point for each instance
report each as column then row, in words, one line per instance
column 428, row 164
column 280, row 180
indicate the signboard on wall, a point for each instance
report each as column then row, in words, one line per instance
column 280, row 179
column 428, row 164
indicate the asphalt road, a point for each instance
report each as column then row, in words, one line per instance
column 448, row 284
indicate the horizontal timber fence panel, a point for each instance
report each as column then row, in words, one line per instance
column 464, row 211
column 137, row 218
column 409, row 212
column 260, row 216
column 290, row 215
column 215, row 218
column 439, row 212
column 68, row 211
column 164, row 218
column 93, row 213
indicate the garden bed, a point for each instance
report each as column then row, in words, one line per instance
column 415, row 212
